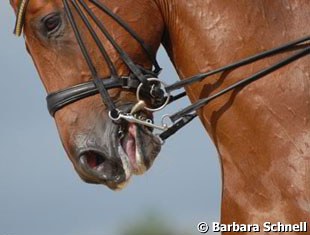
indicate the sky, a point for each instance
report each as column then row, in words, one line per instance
column 40, row 192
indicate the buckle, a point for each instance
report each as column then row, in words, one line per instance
column 125, row 82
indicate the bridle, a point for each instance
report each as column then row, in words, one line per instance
column 145, row 81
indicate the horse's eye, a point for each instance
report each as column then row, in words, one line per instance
column 52, row 22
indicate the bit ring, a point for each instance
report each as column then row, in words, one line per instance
column 167, row 94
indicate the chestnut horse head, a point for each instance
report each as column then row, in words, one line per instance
column 102, row 151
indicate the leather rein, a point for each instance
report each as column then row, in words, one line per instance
column 144, row 81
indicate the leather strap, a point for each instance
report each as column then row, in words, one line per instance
column 124, row 56
column 147, row 49
column 199, row 104
column 248, row 60
column 186, row 119
column 186, row 115
column 60, row 99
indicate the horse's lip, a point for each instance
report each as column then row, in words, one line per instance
column 134, row 164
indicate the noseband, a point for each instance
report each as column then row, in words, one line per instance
column 144, row 81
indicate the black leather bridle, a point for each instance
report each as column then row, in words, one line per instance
column 145, row 81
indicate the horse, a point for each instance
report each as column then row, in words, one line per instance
column 260, row 130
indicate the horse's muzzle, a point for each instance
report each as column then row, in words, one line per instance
column 113, row 152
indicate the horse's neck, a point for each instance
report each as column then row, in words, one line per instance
column 262, row 131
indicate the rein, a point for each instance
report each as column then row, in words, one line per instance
column 144, row 81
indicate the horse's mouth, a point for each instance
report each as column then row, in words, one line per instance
column 134, row 151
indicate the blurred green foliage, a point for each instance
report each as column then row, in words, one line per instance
column 153, row 223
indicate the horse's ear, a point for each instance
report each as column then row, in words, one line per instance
column 14, row 4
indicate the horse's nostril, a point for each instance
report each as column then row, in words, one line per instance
column 94, row 159
column 98, row 166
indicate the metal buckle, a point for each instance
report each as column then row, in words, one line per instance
column 168, row 118
column 125, row 80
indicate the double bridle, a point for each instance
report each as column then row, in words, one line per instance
column 144, row 81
